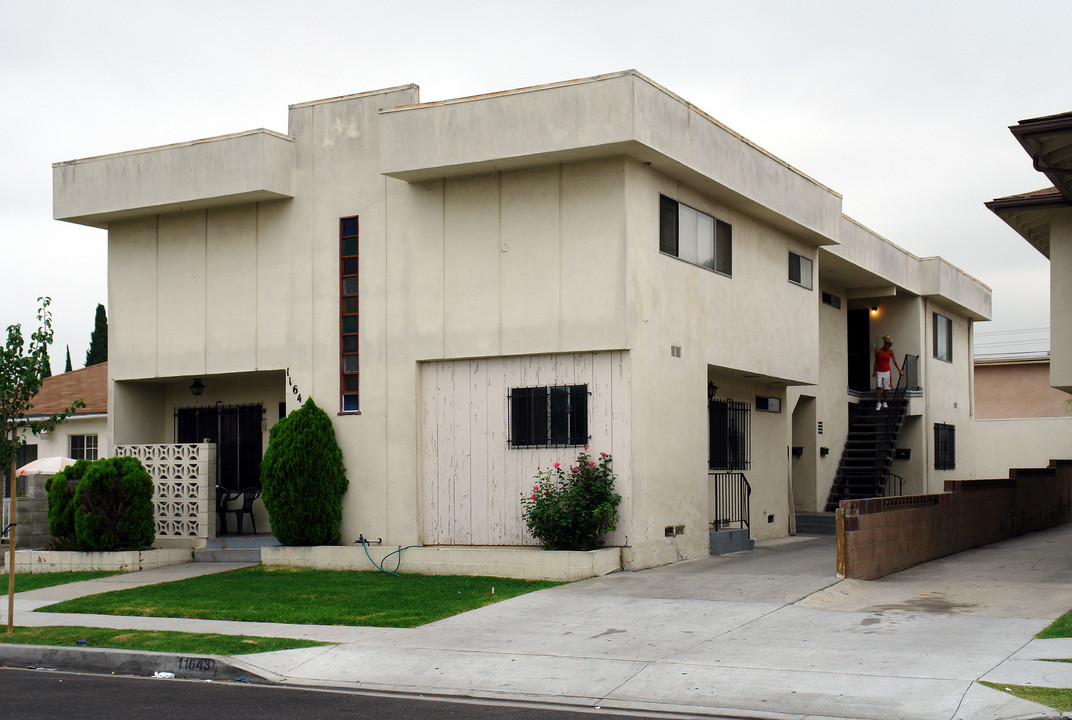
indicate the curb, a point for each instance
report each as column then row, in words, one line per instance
column 125, row 662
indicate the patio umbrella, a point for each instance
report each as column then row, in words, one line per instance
column 45, row 466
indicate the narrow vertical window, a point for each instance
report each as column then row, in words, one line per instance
column 799, row 270
column 348, row 315
column 943, row 338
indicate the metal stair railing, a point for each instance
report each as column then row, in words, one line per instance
column 879, row 476
column 732, row 500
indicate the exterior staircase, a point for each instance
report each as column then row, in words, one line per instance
column 235, row 548
column 865, row 464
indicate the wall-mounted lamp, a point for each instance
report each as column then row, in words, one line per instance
column 712, row 390
column 874, row 310
column 197, row 387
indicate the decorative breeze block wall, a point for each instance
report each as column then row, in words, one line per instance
column 183, row 490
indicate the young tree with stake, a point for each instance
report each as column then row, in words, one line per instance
column 21, row 373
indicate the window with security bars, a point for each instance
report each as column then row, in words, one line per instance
column 348, row 315
column 549, row 416
column 729, row 424
column 945, row 447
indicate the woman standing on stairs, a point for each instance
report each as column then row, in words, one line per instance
column 883, row 357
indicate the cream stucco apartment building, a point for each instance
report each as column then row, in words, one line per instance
column 479, row 287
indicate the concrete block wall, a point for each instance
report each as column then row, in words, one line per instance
column 31, row 512
column 880, row 536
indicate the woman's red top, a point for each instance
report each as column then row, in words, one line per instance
column 882, row 360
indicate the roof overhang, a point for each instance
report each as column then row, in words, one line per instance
column 1048, row 140
column 1030, row 214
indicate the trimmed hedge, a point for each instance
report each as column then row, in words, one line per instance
column 100, row 506
column 303, row 478
column 114, row 506
column 60, row 488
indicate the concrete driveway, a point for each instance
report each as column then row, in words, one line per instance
column 770, row 633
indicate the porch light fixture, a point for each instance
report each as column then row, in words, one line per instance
column 197, row 387
column 712, row 390
column 874, row 310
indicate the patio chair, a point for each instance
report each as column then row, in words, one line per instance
column 223, row 497
column 249, row 495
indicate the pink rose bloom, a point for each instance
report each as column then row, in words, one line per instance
column 556, row 466
column 602, row 455
column 574, row 470
column 592, row 463
column 533, row 496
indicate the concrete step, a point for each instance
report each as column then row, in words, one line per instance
column 723, row 542
column 244, row 555
column 816, row 523
column 235, row 548
column 227, row 542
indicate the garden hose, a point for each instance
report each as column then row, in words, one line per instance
column 379, row 565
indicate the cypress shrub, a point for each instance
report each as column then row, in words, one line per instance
column 113, row 506
column 303, row 478
column 60, row 488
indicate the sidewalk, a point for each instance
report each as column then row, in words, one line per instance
column 770, row 634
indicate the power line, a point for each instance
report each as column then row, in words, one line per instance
column 1011, row 332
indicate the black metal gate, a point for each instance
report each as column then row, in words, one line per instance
column 236, row 430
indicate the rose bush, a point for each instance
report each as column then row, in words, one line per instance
column 572, row 510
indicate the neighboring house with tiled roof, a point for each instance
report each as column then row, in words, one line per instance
column 84, row 434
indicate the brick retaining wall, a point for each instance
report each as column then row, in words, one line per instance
column 879, row 536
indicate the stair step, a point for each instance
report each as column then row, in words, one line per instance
column 242, row 555
column 723, row 542
column 813, row 523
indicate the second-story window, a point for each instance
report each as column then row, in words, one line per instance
column 943, row 338
column 695, row 236
column 800, row 270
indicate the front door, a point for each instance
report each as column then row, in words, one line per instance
column 859, row 341
column 236, row 430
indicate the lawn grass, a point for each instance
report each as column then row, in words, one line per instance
column 1057, row 698
column 153, row 640
column 35, row 581
column 303, row 596
column 1059, row 628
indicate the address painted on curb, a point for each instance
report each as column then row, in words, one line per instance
column 187, row 664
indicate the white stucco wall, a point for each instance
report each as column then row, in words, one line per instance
column 1005, row 443
column 488, row 231
column 1061, row 301
column 57, row 443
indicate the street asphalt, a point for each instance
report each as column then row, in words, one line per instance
column 771, row 633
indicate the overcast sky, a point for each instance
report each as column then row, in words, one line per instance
column 903, row 108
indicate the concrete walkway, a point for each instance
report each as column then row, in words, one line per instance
column 770, row 634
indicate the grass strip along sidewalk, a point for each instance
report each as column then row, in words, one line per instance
column 27, row 581
column 151, row 640
column 303, row 596
column 1057, row 698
